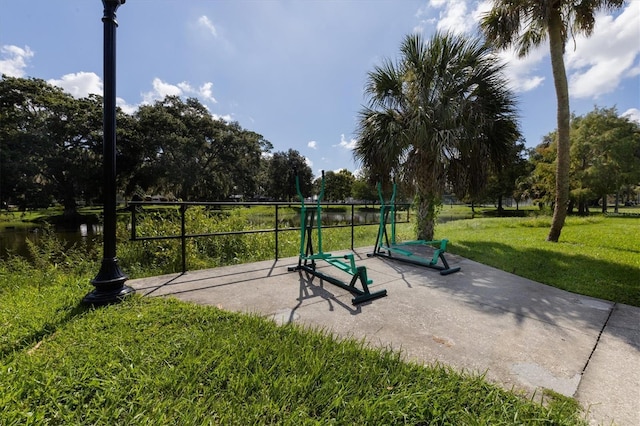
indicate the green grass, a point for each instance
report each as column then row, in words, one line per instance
column 152, row 361
column 596, row 256
column 159, row 361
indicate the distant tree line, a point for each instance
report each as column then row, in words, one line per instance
column 51, row 152
column 604, row 163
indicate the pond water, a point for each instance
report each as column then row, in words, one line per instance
column 14, row 239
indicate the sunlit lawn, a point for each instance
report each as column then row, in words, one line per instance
column 154, row 361
column 596, row 256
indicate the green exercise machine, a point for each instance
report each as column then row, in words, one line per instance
column 398, row 251
column 345, row 263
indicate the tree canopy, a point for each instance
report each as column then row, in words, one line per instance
column 51, row 149
column 442, row 113
column 605, row 160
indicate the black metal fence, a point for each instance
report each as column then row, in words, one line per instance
column 136, row 207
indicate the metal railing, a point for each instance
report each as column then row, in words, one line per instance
column 136, row 207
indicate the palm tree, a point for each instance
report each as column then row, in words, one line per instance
column 526, row 24
column 441, row 113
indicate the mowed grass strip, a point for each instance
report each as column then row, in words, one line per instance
column 596, row 256
column 161, row 361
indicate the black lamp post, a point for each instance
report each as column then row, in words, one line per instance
column 109, row 283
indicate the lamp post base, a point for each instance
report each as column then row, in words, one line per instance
column 109, row 285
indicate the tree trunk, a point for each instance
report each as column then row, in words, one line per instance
column 556, row 48
column 426, row 219
column 582, row 206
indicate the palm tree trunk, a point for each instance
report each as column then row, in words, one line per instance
column 426, row 216
column 556, row 48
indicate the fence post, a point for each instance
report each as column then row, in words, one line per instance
column 183, row 209
column 352, row 227
column 133, row 222
column 276, row 228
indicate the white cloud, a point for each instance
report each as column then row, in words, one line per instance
column 437, row 3
column 455, row 17
column 206, row 23
column 205, row 92
column 313, row 145
column 463, row 16
column 227, row 117
column 633, row 114
column 595, row 67
column 127, row 108
column 600, row 61
column 523, row 72
column 162, row 89
column 14, row 60
column 635, row 71
column 346, row 144
column 80, row 84
column 482, row 8
column 309, row 162
column 184, row 87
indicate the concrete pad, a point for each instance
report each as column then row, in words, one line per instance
column 611, row 383
column 522, row 335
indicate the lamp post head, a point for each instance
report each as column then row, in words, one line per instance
column 113, row 4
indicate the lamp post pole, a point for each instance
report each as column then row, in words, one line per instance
column 109, row 283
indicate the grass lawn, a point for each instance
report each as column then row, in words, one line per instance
column 596, row 256
column 157, row 361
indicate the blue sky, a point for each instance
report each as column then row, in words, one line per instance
column 294, row 71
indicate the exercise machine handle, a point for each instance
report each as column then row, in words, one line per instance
column 393, row 194
column 295, row 171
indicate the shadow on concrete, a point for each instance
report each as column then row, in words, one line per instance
column 205, row 277
column 312, row 287
column 508, row 294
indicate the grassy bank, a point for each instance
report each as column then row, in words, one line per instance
column 597, row 256
column 156, row 361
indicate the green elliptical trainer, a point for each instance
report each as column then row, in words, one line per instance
column 346, row 263
column 392, row 249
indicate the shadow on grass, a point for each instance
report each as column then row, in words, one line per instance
column 48, row 329
column 576, row 273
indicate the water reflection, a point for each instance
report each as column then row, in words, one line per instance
column 13, row 240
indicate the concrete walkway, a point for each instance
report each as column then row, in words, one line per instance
column 524, row 335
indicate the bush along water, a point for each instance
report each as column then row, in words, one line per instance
column 165, row 255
